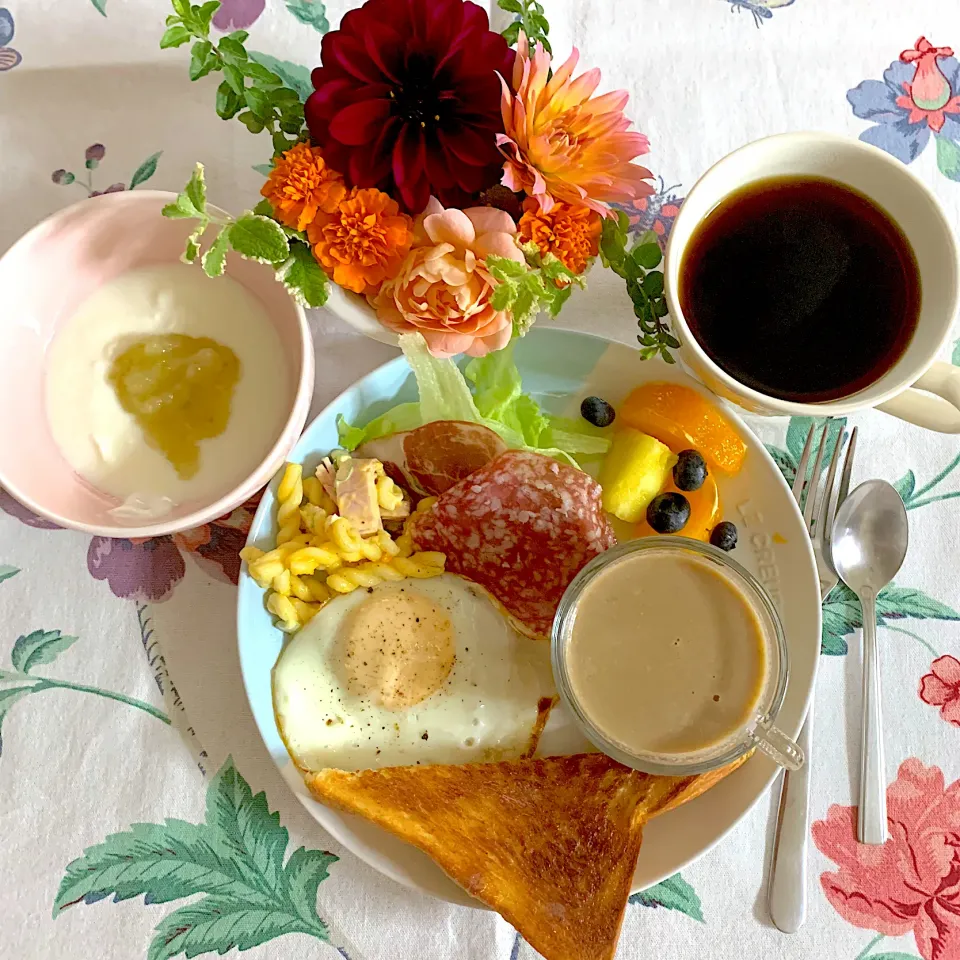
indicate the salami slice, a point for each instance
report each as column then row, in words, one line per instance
column 434, row 457
column 521, row 527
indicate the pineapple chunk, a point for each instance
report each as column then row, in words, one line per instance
column 634, row 471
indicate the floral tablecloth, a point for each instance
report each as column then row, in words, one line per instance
column 118, row 669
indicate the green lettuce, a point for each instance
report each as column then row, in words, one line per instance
column 497, row 401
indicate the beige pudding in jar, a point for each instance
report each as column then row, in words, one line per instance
column 668, row 650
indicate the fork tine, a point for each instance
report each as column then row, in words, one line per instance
column 801, row 476
column 828, row 502
column 847, row 468
column 813, row 489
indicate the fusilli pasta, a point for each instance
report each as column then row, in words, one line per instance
column 318, row 554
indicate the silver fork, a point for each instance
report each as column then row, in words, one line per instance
column 787, row 894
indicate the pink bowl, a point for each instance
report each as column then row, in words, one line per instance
column 45, row 276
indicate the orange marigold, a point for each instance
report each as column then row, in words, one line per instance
column 300, row 185
column 570, row 232
column 363, row 241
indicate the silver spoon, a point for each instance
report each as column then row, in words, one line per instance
column 869, row 543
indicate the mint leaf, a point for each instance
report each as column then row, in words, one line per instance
column 511, row 6
column 6, row 571
column 181, row 209
column 196, row 189
column 674, row 893
column 192, row 250
column 206, row 12
column 234, row 76
column 304, row 278
column 648, row 255
column 174, row 36
column 202, row 59
column 232, row 51
column 39, row 647
column 259, row 238
column 229, row 101
column 214, row 261
column 504, row 295
column 146, row 170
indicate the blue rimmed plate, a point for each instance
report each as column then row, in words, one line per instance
column 560, row 368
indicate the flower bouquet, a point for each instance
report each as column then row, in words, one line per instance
column 455, row 186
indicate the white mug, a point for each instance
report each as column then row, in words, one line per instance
column 917, row 388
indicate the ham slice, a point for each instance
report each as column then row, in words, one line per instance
column 434, row 457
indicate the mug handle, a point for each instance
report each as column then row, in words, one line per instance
column 932, row 402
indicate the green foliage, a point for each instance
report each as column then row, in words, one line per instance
column 39, row 647
column 637, row 266
column 788, row 460
column 527, row 289
column 101, row 6
column 254, row 235
column 842, row 615
column 6, row 571
column 235, row 859
column 303, row 277
column 294, row 76
column 530, row 19
column 311, row 12
column 674, row 893
column 145, row 171
column 252, row 92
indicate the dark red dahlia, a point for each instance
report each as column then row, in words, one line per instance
column 408, row 99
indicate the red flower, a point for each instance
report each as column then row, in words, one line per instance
column 408, row 99
column 941, row 688
column 910, row 884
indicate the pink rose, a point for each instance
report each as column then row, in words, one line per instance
column 941, row 688
column 912, row 882
column 443, row 288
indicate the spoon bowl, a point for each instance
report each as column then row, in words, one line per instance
column 870, row 536
column 869, row 543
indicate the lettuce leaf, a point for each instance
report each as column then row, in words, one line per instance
column 497, row 401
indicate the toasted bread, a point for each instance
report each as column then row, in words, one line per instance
column 550, row 844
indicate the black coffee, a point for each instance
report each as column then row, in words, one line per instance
column 801, row 288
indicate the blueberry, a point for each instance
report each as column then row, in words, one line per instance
column 597, row 411
column 668, row 512
column 724, row 535
column 690, row 470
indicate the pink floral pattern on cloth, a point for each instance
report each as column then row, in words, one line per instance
column 910, row 884
column 238, row 14
column 149, row 569
column 941, row 688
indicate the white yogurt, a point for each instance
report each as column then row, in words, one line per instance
column 104, row 443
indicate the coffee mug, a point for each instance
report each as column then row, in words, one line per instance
column 917, row 388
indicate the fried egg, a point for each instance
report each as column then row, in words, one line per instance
column 410, row 672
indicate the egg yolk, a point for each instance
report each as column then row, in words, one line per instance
column 397, row 649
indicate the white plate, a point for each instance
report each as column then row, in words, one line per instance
column 560, row 368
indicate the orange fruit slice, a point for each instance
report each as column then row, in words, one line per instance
column 704, row 512
column 682, row 418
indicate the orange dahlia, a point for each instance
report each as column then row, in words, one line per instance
column 363, row 241
column 300, row 185
column 570, row 232
column 562, row 143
